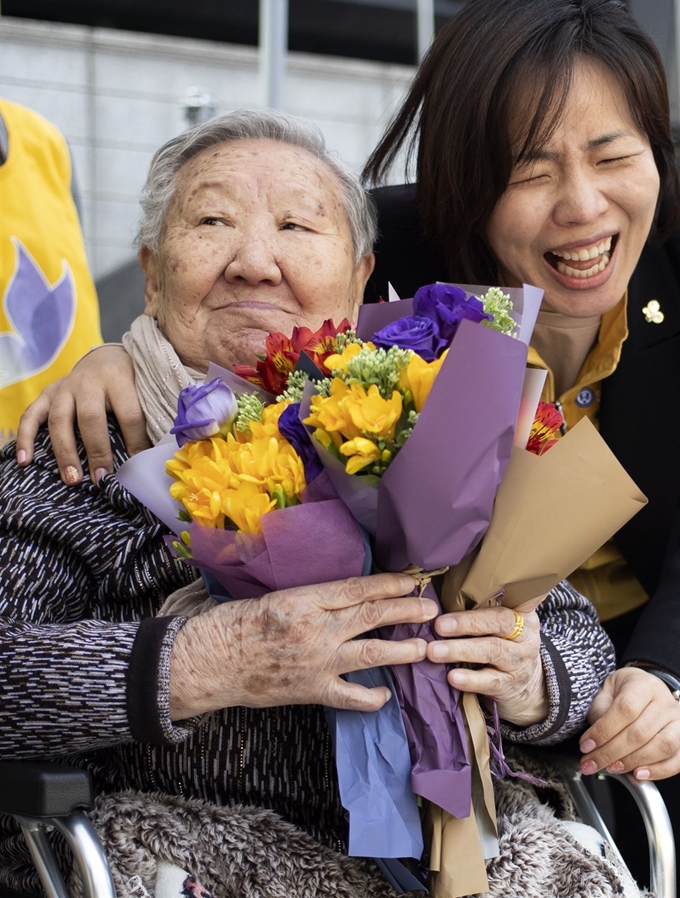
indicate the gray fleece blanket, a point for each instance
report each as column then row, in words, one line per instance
column 245, row 852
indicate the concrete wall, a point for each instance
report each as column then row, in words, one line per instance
column 117, row 96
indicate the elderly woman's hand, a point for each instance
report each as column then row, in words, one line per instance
column 290, row 647
column 635, row 726
column 510, row 670
column 102, row 381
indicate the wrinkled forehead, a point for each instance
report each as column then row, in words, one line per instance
column 272, row 165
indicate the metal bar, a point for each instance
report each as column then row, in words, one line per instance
column 89, row 854
column 585, row 806
column 425, row 25
column 43, row 857
column 659, row 834
column 273, row 48
column 662, row 872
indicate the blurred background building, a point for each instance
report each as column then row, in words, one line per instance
column 120, row 77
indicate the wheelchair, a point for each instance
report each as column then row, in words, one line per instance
column 42, row 796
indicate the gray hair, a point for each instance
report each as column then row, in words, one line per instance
column 250, row 124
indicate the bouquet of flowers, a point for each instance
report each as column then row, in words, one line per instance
column 394, row 437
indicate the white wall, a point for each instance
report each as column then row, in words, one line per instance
column 117, row 96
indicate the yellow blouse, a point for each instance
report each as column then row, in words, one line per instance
column 604, row 578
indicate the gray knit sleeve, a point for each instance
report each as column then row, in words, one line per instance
column 80, row 569
column 577, row 657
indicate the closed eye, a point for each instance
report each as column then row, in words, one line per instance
column 293, row 226
column 528, row 179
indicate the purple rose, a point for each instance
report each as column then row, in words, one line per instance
column 292, row 428
column 203, row 410
column 414, row 332
column 446, row 305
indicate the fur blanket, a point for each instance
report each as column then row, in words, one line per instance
column 245, row 852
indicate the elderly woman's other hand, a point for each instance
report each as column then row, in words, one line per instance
column 635, row 726
column 102, row 381
column 507, row 670
column 290, row 647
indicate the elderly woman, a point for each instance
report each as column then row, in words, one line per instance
column 249, row 226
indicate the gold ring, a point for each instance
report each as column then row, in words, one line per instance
column 516, row 631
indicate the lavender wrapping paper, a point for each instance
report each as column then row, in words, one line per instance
column 374, row 766
column 431, row 508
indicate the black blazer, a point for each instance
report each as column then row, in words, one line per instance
column 639, row 411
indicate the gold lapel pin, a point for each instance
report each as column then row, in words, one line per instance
column 652, row 312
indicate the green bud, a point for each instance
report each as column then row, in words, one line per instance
column 249, row 409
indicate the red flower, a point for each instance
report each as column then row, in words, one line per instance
column 272, row 370
column 546, row 428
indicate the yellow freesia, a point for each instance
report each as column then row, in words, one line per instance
column 269, row 427
column 216, row 477
column 329, row 413
column 361, row 452
column 371, row 413
column 418, row 376
column 338, row 361
column 186, row 456
column 201, row 479
column 270, row 463
column 324, row 438
column 246, row 506
column 354, row 411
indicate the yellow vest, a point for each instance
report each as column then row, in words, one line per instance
column 49, row 314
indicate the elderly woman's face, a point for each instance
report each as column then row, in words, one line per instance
column 574, row 221
column 256, row 240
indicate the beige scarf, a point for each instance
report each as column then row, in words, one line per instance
column 160, row 377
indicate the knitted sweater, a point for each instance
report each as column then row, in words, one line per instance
column 85, row 672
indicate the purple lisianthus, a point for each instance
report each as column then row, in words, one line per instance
column 292, row 428
column 419, row 333
column 203, row 410
column 446, row 305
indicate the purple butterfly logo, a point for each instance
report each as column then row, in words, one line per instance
column 41, row 317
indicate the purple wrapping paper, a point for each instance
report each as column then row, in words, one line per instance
column 374, row 316
column 435, row 499
column 430, row 509
column 316, row 542
column 238, row 384
column 434, row 725
column 526, row 302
